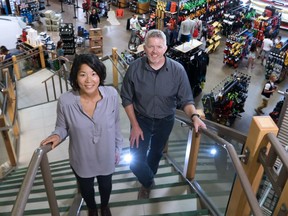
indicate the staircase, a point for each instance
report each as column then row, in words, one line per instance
column 171, row 195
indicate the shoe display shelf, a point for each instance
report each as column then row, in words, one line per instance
column 213, row 40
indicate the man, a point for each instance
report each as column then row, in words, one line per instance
column 133, row 22
column 267, row 45
column 94, row 18
column 267, row 91
column 153, row 87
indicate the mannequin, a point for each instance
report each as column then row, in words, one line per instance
column 197, row 28
column 186, row 30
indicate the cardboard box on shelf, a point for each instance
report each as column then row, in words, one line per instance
column 96, row 49
column 95, row 32
column 94, row 43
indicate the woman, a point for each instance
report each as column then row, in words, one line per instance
column 6, row 55
column 94, row 18
column 252, row 55
column 59, row 48
column 203, row 39
column 89, row 115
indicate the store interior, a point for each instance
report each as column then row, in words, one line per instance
column 223, row 87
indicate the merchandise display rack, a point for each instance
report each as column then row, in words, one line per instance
column 226, row 101
column 237, row 47
column 30, row 10
column 213, row 40
column 277, row 62
column 267, row 25
column 195, row 62
column 66, row 33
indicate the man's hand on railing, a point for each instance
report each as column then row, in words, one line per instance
column 198, row 123
column 54, row 139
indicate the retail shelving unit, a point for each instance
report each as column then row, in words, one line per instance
column 66, row 32
column 213, row 40
column 236, row 47
column 277, row 62
column 226, row 101
column 30, row 10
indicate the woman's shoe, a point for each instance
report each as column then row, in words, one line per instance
column 92, row 212
column 105, row 211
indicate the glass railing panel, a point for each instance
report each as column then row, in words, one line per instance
column 28, row 65
column 214, row 169
column 3, row 152
column 177, row 143
column 109, row 69
column 215, row 172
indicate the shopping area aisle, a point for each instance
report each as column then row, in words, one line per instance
column 37, row 122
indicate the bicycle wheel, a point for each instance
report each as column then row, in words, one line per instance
column 137, row 42
column 132, row 41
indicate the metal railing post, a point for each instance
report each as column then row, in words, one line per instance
column 47, row 178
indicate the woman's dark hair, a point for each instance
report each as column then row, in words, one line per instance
column 59, row 44
column 93, row 62
column 204, row 34
column 3, row 49
column 253, row 47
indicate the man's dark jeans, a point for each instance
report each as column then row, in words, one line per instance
column 147, row 156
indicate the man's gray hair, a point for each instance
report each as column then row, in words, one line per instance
column 155, row 33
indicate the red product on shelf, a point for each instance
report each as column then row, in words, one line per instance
column 173, row 7
column 24, row 36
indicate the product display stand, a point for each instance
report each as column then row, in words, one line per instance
column 277, row 62
column 30, row 10
column 267, row 25
column 66, row 32
column 188, row 46
column 213, row 40
column 236, row 47
column 96, row 41
column 195, row 62
column 226, row 101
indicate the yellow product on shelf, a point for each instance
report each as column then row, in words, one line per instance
column 234, row 45
column 217, row 38
column 210, row 41
column 209, row 48
column 216, row 45
column 215, row 24
column 239, row 46
column 237, row 53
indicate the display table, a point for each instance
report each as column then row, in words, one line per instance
column 187, row 46
column 140, row 49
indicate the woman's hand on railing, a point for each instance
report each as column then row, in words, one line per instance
column 63, row 58
column 54, row 139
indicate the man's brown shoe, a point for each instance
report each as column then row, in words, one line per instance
column 143, row 193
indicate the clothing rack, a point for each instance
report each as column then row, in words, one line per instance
column 195, row 63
